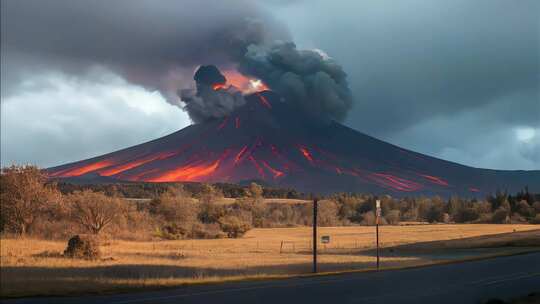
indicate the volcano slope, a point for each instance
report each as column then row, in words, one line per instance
column 266, row 141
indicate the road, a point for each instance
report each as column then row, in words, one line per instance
column 467, row 282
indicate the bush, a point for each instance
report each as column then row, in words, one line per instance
column 524, row 209
column 501, row 216
column 392, row 217
column 94, row 211
column 25, row 199
column 536, row 219
column 83, row 247
column 234, row 226
column 536, row 207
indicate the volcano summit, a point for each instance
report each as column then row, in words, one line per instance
column 265, row 139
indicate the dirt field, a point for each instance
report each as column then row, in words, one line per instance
column 33, row 267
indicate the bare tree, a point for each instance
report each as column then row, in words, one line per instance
column 94, row 211
column 25, row 198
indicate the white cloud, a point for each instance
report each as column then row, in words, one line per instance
column 57, row 119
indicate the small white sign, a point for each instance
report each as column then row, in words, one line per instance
column 378, row 204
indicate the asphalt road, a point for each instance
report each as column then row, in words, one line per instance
column 468, row 282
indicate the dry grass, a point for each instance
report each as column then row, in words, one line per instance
column 34, row 267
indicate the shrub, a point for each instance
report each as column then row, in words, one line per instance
column 524, row 209
column 536, row 219
column 24, row 198
column 83, row 247
column 392, row 217
column 234, row 226
column 501, row 216
column 536, row 207
column 94, row 211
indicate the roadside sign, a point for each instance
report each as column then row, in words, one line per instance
column 325, row 239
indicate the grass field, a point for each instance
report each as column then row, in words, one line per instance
column 36, row 267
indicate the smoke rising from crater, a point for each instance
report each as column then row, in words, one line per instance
column 308, row 79
column 158, row 45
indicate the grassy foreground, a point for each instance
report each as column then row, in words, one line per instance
column 36, row 267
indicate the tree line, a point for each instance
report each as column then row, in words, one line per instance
column 33, row 205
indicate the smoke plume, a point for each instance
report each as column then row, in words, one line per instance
column 307, row 79
column 205, row 102
column 158, row 45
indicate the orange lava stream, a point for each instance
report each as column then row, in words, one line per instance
column 136, row 163
column 240, row 154
column 435, row 179
column 83, row 169
column 306, row 153
column 190, row 172
column 223, row 124
column 259, row 169
column 264, row 101
column 275, row 172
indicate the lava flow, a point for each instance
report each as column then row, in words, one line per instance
column 277, row 148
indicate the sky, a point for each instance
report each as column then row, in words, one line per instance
column 458, row 80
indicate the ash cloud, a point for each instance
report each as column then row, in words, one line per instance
column 158, row 45
column 308, row 79
column 154, row 44
column 206, row 103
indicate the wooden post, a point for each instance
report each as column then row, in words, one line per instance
column 377, row 216
column 315, row 203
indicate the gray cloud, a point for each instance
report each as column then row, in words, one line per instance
column 417, row 69
column 454, row 79
column 307, row 79
column 153, row 44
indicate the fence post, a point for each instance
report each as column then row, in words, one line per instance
column 315, row 203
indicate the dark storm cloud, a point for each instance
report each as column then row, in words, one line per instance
column 426, row 64
column 156, row 44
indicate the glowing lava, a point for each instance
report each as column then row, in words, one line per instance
column 259, row 169
column 435, row 180
column 77, row 171
column 275, row 172
column 307, row 155
column 243, row 83
column 136, row 163
column 240, row 154
column 191, row 172
column 394, row 182
column 264, row 101
column 223, row 124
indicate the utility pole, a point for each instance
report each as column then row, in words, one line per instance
column 315, row 203
column 377, row 219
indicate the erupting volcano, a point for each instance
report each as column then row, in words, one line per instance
column 266, row 139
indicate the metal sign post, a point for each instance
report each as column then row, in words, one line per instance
column 315, row 203
column 377, row 217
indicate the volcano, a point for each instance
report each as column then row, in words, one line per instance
column 267, row 141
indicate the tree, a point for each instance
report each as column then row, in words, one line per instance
column 94, row 211
column 524, row 209
column 234, row 226
column 25, row 198
column 255, row 191
column 501, row 216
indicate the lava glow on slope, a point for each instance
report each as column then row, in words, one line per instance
column 190, row 172
column 435, row 180
column 77, row 171
column 136, row 163
column 305, row 152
